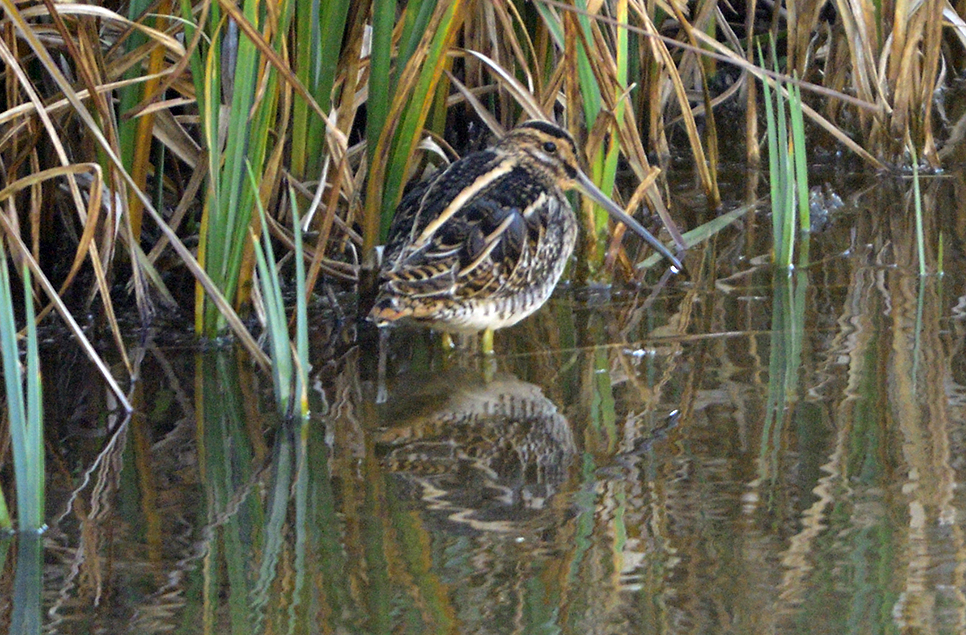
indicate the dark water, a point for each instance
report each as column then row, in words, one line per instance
column 749, row 452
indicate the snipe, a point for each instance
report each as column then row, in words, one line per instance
column 481, row 245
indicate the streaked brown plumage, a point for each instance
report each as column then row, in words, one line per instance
column 482, row 244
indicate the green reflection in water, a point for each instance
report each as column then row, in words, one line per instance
column 810, row 482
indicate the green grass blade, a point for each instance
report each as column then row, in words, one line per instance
column 301, row 313
column 24, row 410
column 275, row 322
column 34, row 414
column 380, row 97
column 799, row 158
column 773, row 166
column 408, row 133
column 917, row 201
column 701, row 233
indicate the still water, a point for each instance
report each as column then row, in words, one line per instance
column 747, row 452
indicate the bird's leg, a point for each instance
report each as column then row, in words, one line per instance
column 488, row 366
column 382, row 395
column 487, row 342
column 448, row 343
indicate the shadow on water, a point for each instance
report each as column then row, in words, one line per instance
column 749, row 453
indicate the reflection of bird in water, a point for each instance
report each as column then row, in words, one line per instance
column 482, row 244
column 486, row 453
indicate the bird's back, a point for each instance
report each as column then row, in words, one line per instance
column 476, row 244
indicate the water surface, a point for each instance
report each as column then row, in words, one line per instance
column 750, row 451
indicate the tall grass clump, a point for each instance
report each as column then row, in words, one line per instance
column 290, row 359
column 24, row 406
column 891, row 56
column 403, row 95
column 788, row 171
column 238, row 94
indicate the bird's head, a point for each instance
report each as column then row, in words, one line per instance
column 553, row 152
column 549, row 149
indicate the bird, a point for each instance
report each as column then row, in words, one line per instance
column 481, row 244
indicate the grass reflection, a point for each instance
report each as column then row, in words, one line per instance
column 808, row 479
column 26, row 611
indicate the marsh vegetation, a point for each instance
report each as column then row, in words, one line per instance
column 187, row 186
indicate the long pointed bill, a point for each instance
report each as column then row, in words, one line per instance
column 587, row 187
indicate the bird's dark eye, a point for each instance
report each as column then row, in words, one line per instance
column 550, row 146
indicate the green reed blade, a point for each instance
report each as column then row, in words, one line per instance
column 551, row 20
column 589, row 88
column 301, row 313
column 197, row 61
column 251, row 118
column 773, row 166
column 702, row 233
column 380, row 97
column 234, row 215
column 799, row 158
column 917, row 201
column 319, row 28
column 16, row 414
column 786, row 221
column 34, row 413
column 608, row 177
column 329, row 27
column 415, row 20
column 408, row 133
column 24, row 408
column 129, row 96
column 276, row 324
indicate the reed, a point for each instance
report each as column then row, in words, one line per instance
column 24, row 405
column 917, row 202
column 788, row 171
column 403, row 96
column 239, row 96
column 290, row 359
